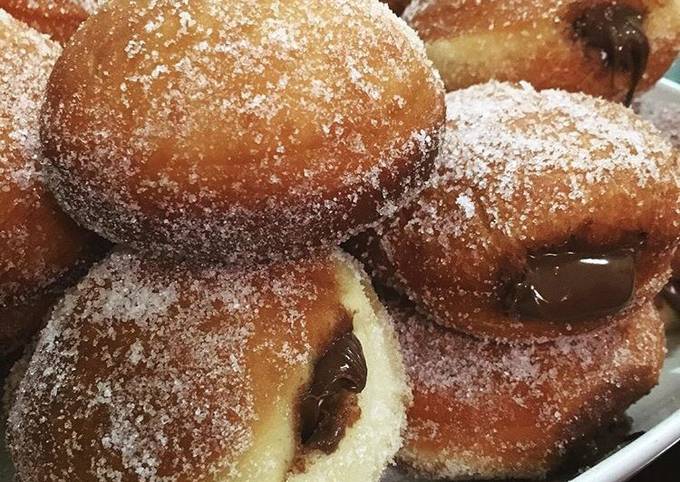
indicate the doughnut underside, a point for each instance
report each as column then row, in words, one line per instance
column 527, row 40
column 209, row 391
column 484, row 410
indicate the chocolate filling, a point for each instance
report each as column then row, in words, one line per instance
column 671, row 293
column 338, row 375
column 617, row 31
column 573, row 286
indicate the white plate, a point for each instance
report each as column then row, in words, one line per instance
column 657, row 414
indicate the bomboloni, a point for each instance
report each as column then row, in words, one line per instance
column 487, row 410
column 602, row 48
column 39, row 244
column 553, row 213
column 240, row 130
column 176, row 372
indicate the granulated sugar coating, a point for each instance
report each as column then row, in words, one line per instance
column 487, row 410
column 525, row 172
column 38, row 243
column 234, row 130
column 58, row 19
column 474, row 41
column 154, row 371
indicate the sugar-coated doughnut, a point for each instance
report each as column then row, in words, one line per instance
column 553, row 213
column 600, row 47
column 232, row 130
column 487, row 410
column 57, row 18
column 151, row 371
column 39, row 245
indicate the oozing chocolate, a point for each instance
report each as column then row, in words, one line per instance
column 338, row 374
column 572, row 286
column 617, row 31
column 671, row 293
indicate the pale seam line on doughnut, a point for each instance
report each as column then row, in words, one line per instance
column 459, row 51
column 661, row 24
column 374, row 439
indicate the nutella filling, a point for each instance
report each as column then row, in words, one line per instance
column 671, row 293
column 326, row 405
column 616, row 30
column 573, row 286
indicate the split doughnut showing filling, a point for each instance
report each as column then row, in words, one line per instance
column 327, row 403
column 186, row 373
column 552, row 213
column 604, row 48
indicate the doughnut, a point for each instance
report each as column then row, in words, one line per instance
column 39, row 244
column 59, row 19
column 488, row 410
column 173, row 371
column 238, row 131
column 552, row 213
column 599, row 47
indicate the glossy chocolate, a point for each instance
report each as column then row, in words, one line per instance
column 671, row 293
column 617, row 31
column 340, row 372
column 572, row 286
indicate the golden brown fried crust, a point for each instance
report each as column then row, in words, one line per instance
column 513, row 181
column 175, row 371
column 490, row 410
column 288, row 139
column 516, row 181
column 539, row 44
column 58, row 19
column 39, row 244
